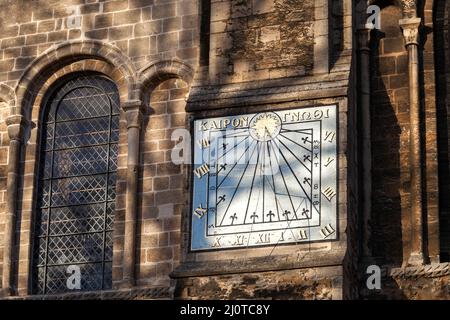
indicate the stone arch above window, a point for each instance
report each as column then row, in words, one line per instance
column 46, row 67
column 154, row 74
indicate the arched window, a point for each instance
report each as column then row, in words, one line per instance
column 77, row 179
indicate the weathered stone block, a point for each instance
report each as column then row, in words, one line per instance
column 220, row 11
column 164, row 11
column 160, row 254
column 139, row 3
column 97, row 34
column 393, row 45
column 118, row 5
column 118, row 33
column 167, row 41
column 28, row 28
column 103, row 21
column 168, row 169
column 147, row 28
column 46, row 26
column 171, row 24
column 263, row 6
column 14, row 42
column 126, row 17
column 58, row 36
column 139, row 47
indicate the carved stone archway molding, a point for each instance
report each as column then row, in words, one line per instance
column 56, row 57
column 156, row 72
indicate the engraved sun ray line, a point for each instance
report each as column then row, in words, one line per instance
column 253, row 181
column 228, row 150
column 262, row 172
column 302, row 202
column 237, row 187
column 301, row 186
column 297, row 131
column 257, row 203
column 309, row 169
column 278, row 203
column 285, row 185
column 290, row 229
column 282, row 135
column 236, row 135
column 273, row 181
column 229, row 171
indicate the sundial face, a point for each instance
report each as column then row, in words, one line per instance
column 267, row 178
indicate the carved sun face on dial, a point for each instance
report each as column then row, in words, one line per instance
column 265, row 126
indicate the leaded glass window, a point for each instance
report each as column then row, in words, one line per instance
column 76, row 198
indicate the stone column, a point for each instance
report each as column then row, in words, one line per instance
column 16, row 124
column 363, row 37
column 410, row 28
column 133, row 111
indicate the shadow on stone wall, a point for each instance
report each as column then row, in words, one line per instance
column 387, row 161
column 336, row 31
column 442, row 70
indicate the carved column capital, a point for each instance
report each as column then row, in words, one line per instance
column 16, row 125
column 134, row 110
column 411, row 27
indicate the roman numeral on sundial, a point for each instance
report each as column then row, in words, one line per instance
column 204, row 143
column 217, row 243
column 327, row 231
column 302, row 235
column 201, row 171
column 239, row 240
column 263, row 238
column 329, row 193
column 329, row 161
column 329, row 136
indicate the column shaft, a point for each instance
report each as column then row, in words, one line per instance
column 134, row 119
column 411, row 33
column 15, row 132
column 366, row 143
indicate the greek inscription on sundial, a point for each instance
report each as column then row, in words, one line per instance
column 265, row 179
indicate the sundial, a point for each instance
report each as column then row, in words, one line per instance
column 265, row 178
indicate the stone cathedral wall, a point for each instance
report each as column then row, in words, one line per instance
column 193, row 59
column 144, row 31
column 279, row 51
